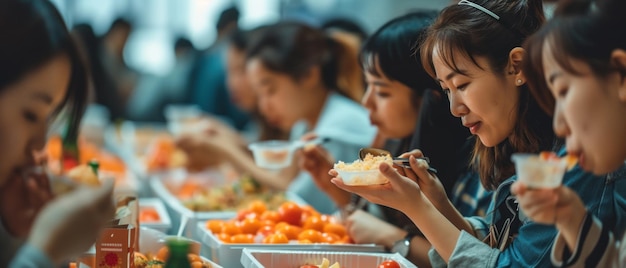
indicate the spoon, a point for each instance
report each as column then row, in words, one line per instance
column 296, row 145
column 400, row 161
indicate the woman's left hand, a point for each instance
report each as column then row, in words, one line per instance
column 400, row 192
column 21, row 199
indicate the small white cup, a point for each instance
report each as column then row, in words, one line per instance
column 535, row 172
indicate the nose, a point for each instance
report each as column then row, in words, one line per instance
column 559, row 124
column 457, row 107
column 366, row 101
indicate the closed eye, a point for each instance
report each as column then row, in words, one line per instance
column 30, row 116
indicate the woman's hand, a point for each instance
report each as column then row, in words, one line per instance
column 364, row 228
column 70, row 224
column 400, row 192
column 317, row 161
column 560, row 206
column 205, row 149
column 429, row 183
column 21, row 200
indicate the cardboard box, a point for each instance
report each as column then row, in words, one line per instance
column 119, row 240
column 253, row 258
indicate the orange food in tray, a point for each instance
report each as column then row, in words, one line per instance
column 253, row 225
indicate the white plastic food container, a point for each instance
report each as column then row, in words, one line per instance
column 230, row 255
column 272, row 154
column 165, row 223
column 368, row 177
column 255, row 258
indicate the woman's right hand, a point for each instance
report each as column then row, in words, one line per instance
column 429, row 183
column 400, row 192
column 71, row 223
column 560, row 206
column 317, row 161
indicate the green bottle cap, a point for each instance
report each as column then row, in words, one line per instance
column 95, row 165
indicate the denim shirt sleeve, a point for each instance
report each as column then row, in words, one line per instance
column 29, row 256
column 481, row 229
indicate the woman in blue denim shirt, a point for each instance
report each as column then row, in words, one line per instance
column 474, row 51
column 584, row 56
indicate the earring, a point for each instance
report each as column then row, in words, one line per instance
column 519, row 82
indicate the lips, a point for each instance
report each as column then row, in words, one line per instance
column 473, row 127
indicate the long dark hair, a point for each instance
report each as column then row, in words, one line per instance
column 392, row 52
column 466, row 31
column 585, row 30
column 33, row 33
column 292, row 48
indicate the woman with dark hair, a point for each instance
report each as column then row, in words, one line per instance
column 579, row 59
column 41, row 74
column 243, row 96
column 406, row 107
column 296, row 73
column 474, row 51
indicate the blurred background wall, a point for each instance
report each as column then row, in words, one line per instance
column 157, row 23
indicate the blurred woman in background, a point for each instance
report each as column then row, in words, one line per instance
column 295, row 71
column 42, row 74
column 243, row 96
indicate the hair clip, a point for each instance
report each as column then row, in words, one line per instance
column 479, row 7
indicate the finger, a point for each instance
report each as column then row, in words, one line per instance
column 518, row 188
column 333, row 173
column 308, row 136
column 415, row 153
column 36, row 195
column 400, row 170
column 420, row 168
column 394, row 177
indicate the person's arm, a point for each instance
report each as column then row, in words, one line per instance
column 29, row 256
column 595, row 246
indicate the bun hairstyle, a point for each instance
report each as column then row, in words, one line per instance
column 491, row 29
column 293, row 48
column 584, row 30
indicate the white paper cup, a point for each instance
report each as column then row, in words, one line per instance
column 535, row 172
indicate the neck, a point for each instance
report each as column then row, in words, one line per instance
column 316, row 104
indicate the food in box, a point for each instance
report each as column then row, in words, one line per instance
column 152, row 214
column 258, row 258
column 363, row 172
column 290, row 227
column 152, row 252
column 290, row 223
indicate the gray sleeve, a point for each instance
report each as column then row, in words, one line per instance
column 468, row 251
column 465, row 241
column 29, row 256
